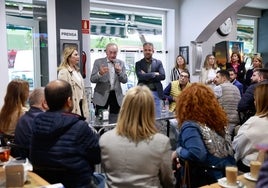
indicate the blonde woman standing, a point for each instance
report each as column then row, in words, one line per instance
column 69, row 71
column 209, row 70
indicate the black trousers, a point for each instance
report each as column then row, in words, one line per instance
column 111, row 102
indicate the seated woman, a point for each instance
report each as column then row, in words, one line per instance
column 133, row 154
column 14, row 105
column 203, row 139
column 253, row 131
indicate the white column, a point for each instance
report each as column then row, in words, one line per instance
column 3, row 53
column 52, row 40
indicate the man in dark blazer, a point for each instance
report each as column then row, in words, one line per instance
column 150, row 72
column 108, row 73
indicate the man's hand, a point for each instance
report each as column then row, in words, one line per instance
column 103, row 69
column 117, row 68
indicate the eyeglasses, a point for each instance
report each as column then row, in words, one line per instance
column 184, row 76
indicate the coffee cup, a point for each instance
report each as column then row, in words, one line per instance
column 254, row 169
column 231, row 175
column 4, row 153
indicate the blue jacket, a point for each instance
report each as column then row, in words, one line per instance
column 23, row 132
column 263, row 175
column 191, row 147
column 65, row 145
column 239, row 86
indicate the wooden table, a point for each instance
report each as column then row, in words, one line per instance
column 247, row 183
column 33, row 180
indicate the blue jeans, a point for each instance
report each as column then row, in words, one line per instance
column 157, row 104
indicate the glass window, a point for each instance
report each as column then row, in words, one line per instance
column 129, row 32
column 247, row 35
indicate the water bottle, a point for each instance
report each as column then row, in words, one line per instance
column 92, row 114
column 105, row 117
column 167, row 106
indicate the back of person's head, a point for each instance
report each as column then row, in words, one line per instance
column 261, row 99
column 16, row 96
column 57, row 93
column 263, row 73
column 136, row 119
column 17, row 93
column 37, row 96
column 224, row 73
column 198, row 103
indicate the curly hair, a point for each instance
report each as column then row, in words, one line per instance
column 198, row 103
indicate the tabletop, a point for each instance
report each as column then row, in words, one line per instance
column 33, row 180
column 246, row 183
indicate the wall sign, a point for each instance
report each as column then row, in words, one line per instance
column 68, row 34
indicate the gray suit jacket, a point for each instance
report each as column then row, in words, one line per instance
column 103, row 86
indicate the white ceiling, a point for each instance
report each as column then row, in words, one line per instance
column 259, row 4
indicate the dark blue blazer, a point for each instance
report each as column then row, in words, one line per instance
column 150, row 77
column 239, row 86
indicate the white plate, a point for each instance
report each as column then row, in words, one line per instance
column 223, row 182
column 249, row 177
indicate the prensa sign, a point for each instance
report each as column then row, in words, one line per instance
column 68, row 34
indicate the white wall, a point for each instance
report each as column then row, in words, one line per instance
column 3, row 53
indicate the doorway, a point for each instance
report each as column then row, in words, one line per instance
column 23, row 50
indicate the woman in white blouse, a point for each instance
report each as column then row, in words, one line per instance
column 253, row 131
column 209, row 71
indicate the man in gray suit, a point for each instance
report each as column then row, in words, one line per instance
column 108, row 73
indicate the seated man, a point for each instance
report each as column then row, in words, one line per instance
column 171, row 92
column 175, row 88
column 234, row 81
column 64, row 148
column 228, row 96
column 246, row 106
column 23, row 131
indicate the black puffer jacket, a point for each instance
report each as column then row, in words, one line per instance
column 64, row 149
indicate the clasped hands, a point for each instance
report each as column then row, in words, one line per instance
column 104, row 69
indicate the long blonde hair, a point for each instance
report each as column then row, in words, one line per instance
column 68, row 51
column 261, row 99
column 16, row 97
column 136, row 119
